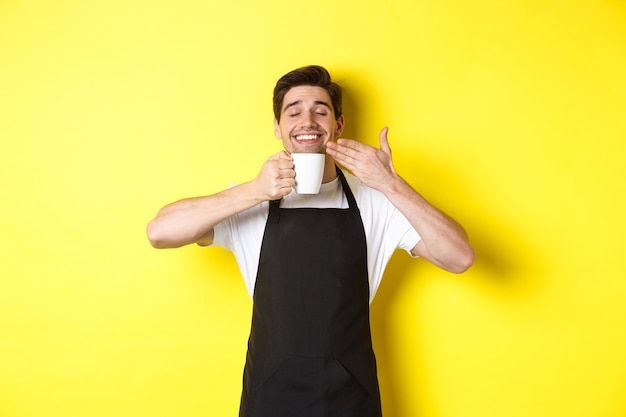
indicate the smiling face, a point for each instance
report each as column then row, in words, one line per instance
column 307, row 120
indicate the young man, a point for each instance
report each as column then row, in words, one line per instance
column 312, row 263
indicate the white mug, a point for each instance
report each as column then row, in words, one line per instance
column 309, row 169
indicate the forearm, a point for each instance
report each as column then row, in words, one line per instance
column 444, row 242
column 192, row 220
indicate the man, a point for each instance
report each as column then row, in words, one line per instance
column 312, row 263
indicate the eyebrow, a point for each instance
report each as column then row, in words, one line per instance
column 297, row 102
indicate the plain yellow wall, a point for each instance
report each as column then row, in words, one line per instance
column 510, row 116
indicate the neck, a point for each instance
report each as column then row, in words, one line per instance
column 330, row 173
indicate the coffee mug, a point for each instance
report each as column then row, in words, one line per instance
column 309, row 169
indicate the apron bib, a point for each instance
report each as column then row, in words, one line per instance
column 310, row 350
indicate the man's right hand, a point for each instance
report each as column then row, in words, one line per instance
column 192, row 220
column 277, row 176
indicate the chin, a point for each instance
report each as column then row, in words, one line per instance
column 316, row 148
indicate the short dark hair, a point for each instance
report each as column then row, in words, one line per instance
column 313, row 75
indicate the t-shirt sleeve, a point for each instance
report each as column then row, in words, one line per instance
column 223, row 232
column 408, row 235
column 222, row 235
column 242, row 234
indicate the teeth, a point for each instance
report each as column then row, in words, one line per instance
column 306, row 137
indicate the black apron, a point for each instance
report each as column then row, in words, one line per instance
column 310, row 350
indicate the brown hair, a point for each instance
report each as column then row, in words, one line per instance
column 313, row 75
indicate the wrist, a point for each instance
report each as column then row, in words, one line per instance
column 395, row 185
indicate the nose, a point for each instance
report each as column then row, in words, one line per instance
column 308, row 120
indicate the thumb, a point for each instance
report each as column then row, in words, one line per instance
column 284, row 155
column 384, row 143
column 279, row 155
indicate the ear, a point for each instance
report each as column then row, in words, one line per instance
column 277, row 129
column 340, row 124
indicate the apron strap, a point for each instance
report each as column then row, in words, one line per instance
column 346, row 190
column 274, row 213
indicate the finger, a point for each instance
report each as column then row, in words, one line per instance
column 279, row 155
column 384, row 142
column 351, row 150
column 287, row 172
column 347, row 161
column 284, row 155
column 351, row 144
column 285, row 165
column 338, row 152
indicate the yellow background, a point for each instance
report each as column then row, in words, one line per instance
column 510, row 116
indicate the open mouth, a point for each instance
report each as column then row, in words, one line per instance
column 305, row 138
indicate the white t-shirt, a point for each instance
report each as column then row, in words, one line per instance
column 386, row 229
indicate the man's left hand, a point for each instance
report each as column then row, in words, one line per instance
column 371, row 165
